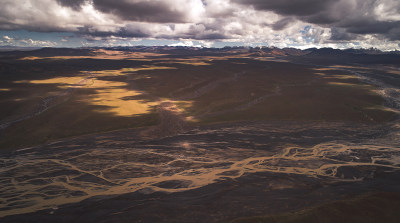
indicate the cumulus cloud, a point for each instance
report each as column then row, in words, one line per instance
column 351, row 17
column 299, row 23
column 6, row 40
column 186, row 43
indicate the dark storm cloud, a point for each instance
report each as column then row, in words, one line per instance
column 122, row 32
column 365, row 27
column 289, row 7
column 198, row 36
column 205, row 32
column 339, row 34
column 132, row 31
column 283, row 23
column 352, row 17
column 144, row 11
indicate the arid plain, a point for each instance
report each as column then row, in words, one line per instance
column 176, row 134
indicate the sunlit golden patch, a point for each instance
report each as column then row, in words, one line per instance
column 379, row 107
column 143, row 56
column 104, row 54
column 347, row 84
column 343, row 77
column 112, row 96
column 324, row 69
column 5, row 89
column 192, row 119
column 394, row 72
column 183, row 104
column 31, row 58
column 349, row 67
column 117, row 99
column 112, row 54
column 185, row 145
column 62, row 82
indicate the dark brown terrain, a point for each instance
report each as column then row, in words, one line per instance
column 174, row 134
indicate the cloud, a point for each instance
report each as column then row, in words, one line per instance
column 186, row 43
column 339, row 34
column 300, row 23
column 352, row 17
column 50, row 16
column 289, row 7
column 74, row 4
column 167, row 11
column 283, row 23
column 6, row 40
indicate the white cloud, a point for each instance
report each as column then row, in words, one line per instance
column 186, row 43
column 6, row 40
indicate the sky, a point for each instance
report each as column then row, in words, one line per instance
column 201, row 23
